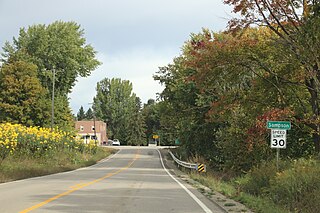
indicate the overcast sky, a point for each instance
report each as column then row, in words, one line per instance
column 132, row 37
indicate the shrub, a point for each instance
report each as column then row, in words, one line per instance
column 16, row 139
column 258, row 180
column 298, row 188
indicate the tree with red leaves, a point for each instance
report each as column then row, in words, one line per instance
column 296, row 23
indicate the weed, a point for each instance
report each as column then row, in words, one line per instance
column 258, row 204
column 298, row 188
column 229, row 204
column 19, row 167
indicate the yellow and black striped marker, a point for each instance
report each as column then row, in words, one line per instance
column 201, row 167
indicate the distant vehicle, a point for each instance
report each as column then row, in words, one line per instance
column 152, row 143
column 110, row 142
column 116, row 142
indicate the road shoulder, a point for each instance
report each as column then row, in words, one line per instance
column 225, row 203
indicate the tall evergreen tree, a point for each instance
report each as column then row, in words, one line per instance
column 89, row 114
column 136, row 133
column 81, row 114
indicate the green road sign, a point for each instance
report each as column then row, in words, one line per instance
column 177, row 142
column 285, row 125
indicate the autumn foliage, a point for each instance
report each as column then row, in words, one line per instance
column 234, row 83
column 224, row 87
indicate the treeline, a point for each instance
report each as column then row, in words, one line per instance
column 128, row 120
column 117, row 105
column 43, row 59
column 224, row 87
column 82, row 115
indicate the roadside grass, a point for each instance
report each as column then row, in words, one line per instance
column 17, row 167
column 294, row 187
column 255, row 203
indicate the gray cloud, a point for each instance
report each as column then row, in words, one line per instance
column 133, row 37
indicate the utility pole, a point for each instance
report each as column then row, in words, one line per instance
column 94, row 123
column 52, row 101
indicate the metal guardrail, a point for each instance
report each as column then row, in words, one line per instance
column 184, row 164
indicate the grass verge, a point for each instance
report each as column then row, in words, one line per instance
column 257, row 204
column 21, row 167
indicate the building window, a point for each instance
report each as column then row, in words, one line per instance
column 92, row 128
column 81, row 128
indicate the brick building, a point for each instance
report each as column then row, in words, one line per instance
column 86, row 131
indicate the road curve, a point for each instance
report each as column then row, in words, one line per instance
column 133, row 180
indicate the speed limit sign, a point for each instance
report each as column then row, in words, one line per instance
column 278, row 138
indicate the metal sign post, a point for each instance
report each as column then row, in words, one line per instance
column 155, row 137
column 278, row 156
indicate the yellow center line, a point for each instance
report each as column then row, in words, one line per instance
column 81, row 185
column 76, row 186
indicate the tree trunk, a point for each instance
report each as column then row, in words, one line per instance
column 314, row 102
column 316, row 140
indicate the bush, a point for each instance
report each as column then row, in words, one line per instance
column 257, row 204
column 258, row 180
column 298, row 188
column 16, row 167
column 38, row 142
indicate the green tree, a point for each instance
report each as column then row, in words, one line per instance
column 115, row 103
column 136, row 131
column 81, row 114
column 181, row 115
column 58, row 48
column 152, row 118
column 22, row 98
column 89, row 114
column 62, row 113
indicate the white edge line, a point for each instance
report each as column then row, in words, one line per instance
column 201, row 204
column 79, row 169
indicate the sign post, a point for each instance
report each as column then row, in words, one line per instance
column 278, row 136
column 155, row 137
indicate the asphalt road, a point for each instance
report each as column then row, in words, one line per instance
column 133, row 180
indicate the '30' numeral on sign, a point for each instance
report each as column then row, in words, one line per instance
column 277, row 143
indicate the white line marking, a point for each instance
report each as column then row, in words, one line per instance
column 202, row 205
